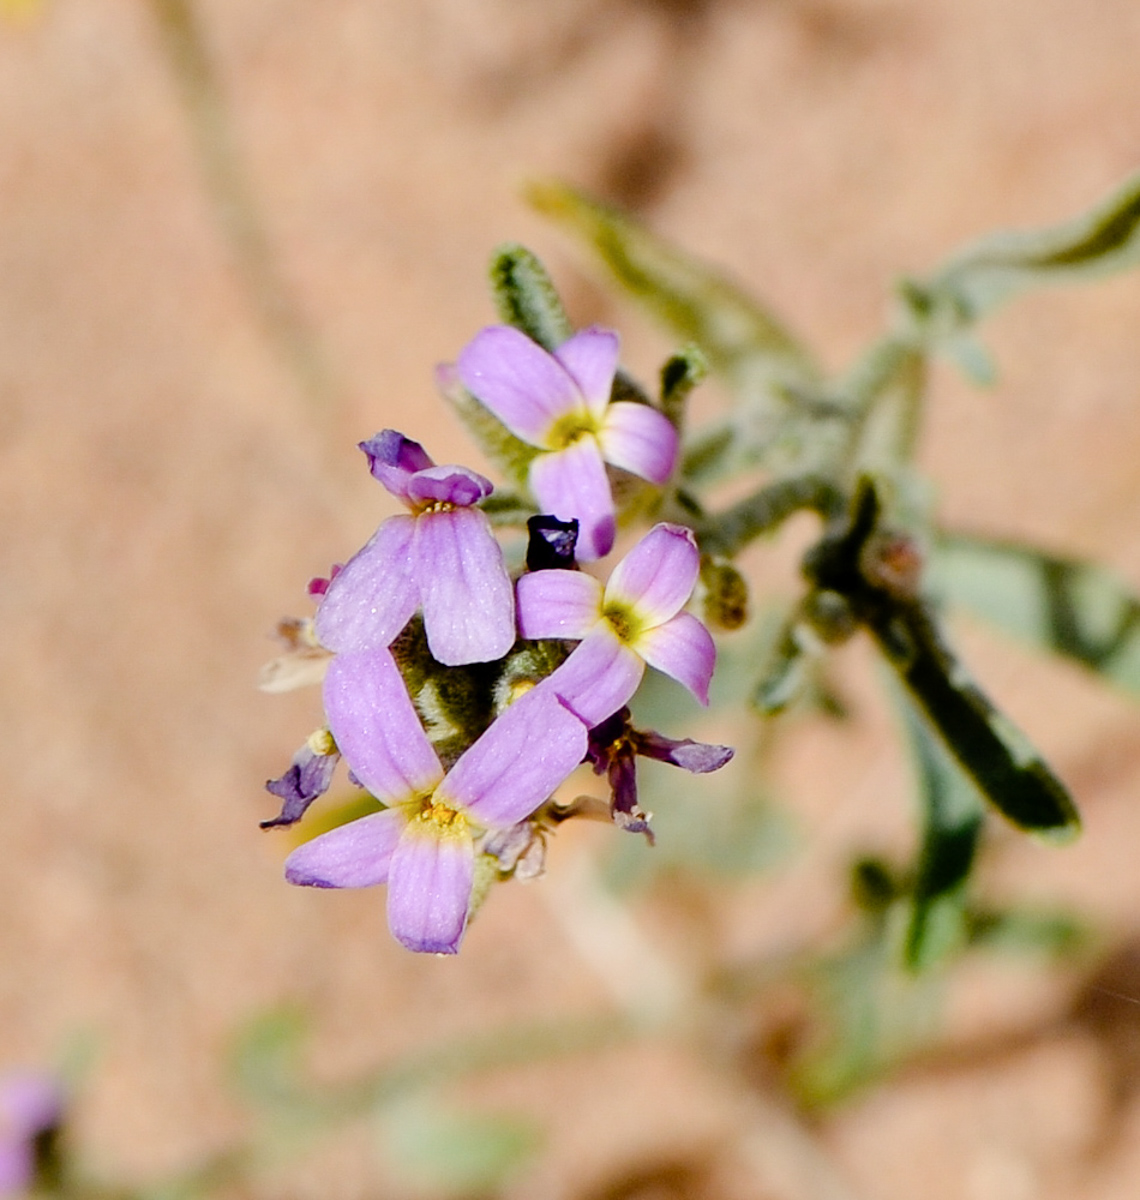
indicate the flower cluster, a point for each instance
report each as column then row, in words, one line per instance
column 462, row 699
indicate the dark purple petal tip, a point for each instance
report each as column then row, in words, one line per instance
column 393, row 459
column 698, row 757
column 308, row 777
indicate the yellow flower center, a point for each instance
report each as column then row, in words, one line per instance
column 571, row 428
column 439, row 819
column 624, row 621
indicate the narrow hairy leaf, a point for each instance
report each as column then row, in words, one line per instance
column 1071, row 608
column 951, row 824
column 998, row 267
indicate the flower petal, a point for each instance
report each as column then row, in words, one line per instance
column 698, row 757
column 591, row 357
column 638, row 438
column 30, row 1103
column 393, row 459
column 657, row 576
column 684, row 649
column 448, row 485
column 308, row 777
column 598, row 678
column 376, row 728
column 572, row 483
column 358, row 854
column 371, row 600
column 525, row 754
column 429, row 886
column 468, row 601
column 526, row 388
column 558, row 604
column 17, row 1167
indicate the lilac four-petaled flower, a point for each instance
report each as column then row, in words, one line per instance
column 423, row 844
column 636, row 618
column 560, row 403
column 442, row 557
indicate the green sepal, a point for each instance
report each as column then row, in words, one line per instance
column 526, row 297
column 680, row 374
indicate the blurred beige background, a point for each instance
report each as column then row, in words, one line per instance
column 169, row 481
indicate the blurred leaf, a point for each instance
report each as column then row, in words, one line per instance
column 505, row 508
column 884, row 392
column 741, row 339
column 1056, row 934
column 734, row 830
column 680, row 374
column 1076, row 609
column 459, row 1154
column 265, row 1060
column 526, row 298
column 999, row 266
column 875, row 1015
column 764, row 366
column 951, row 825
column 999, row 758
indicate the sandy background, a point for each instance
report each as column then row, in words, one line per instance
column 169, row 481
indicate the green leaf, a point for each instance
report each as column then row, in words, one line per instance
column 998, row 757
column 265, row 1059
column 765, row 367
column 998, row 267
column 526, row 298
column 458, row 1154
column 951, row 825
column 680, row 374
column 1075, row 609
column 875, row 1016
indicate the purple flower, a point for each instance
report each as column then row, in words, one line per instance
column 635, row 619
column 423, row 844
column 30, row 1105
column 560, row 403
column 614, row 746
column 443, row 558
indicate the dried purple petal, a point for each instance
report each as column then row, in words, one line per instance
column 308, row 777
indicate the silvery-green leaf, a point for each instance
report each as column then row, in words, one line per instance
column 883, row 394
column 455, row 1153
column 875, row 1015
column 1072, row 608
column 526, row 297
column 951, row 824
column 997, row 267
column 998, row 757
column 764, row 366
column 741, row 339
